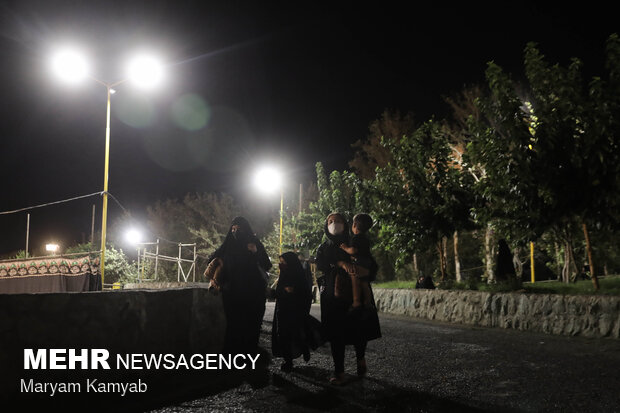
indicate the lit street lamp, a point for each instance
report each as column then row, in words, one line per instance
column 72, row 67
column 53, row 248
column 268, row 179
column 133, row 236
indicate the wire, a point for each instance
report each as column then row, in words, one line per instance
column 129, row 215
column 119, row 204
column 125, row 210
column 49, row 203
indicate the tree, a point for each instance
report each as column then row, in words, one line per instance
column 531, row 150
column 499, row 149
column 369, row 153
column 118, row 268
column 421, row 196
column 464, row 108
column 210, row 216
column 19, row 255
column 341, row 192
column 203, row 219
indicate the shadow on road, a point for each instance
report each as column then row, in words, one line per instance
column 306, row 389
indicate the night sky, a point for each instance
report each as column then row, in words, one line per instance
column 290, row 83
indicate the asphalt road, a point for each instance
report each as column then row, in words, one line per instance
column 421, row 366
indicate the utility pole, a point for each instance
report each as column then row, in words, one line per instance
column 27, row 233
column 300, row 195
column 92, row 230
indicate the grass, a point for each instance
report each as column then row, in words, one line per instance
column 395, row 284
column 608, row 286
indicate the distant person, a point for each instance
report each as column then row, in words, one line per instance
column 359, row 250
column 341, row 326
column 243, row 286
column 425, row 282
column 505, row 267
column 293, row 300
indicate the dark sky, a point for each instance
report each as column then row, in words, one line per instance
column 285, row 82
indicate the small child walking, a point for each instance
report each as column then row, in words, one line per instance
column 361, row 257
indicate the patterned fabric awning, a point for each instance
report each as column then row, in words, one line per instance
column 67, row 266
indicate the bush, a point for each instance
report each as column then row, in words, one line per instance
column 117, row 266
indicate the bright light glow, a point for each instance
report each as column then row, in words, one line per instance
column 51, row 247
column 268, row 179
column 133, row 236
column 145, row 71
column 70, row 66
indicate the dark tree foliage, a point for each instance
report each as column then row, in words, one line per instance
column 369, row 153
column 550, row 163
column 421, row 196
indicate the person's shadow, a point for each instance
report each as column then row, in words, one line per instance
column 306, row 389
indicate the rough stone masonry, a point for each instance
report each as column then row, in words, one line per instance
column 586, row 316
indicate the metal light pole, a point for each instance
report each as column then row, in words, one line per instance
column 269, row 179
column 71, row 66
column 106, row 169
column 27, row 233
column 104, row 216
column 281, row 215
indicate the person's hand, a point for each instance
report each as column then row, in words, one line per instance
column 343, row 246
column 347, row 266
column 252, row 247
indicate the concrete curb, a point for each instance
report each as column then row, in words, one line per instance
column 586, row 316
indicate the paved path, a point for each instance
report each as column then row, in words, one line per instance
column 421, row 366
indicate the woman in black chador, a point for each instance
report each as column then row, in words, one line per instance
column 293, row 301
column 243, row 286
column 505, row 268
column 341, row 326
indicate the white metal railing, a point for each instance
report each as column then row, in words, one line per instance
column 144, row 254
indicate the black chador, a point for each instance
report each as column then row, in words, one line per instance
column 295, row 332
column 243, row 286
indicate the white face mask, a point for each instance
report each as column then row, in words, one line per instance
column 335, row 228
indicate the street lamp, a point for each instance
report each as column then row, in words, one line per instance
column 269, row 179
column 53, row 248
column 143, row 71
column 133, row 236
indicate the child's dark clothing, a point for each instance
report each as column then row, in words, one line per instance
column 362, row 256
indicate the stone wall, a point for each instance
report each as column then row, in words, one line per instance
column 176, row 321
column 587, row 316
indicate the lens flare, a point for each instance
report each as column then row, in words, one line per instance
column 190, row 112
column 134, row 110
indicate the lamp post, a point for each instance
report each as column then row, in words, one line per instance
column 281, row 215
column 143, row 71
column 269, row 179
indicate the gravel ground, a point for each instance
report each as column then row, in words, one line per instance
column 421, row 366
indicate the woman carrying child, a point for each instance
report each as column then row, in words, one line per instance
column 341, row 326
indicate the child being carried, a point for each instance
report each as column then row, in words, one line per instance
column 359, row 251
